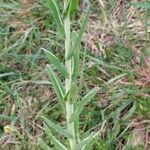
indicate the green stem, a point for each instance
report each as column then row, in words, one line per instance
column 69, row 105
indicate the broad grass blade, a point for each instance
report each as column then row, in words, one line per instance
column 57, row 128
column 55, row 61
column 54, row 9
column 56, row 142
column 57, row 86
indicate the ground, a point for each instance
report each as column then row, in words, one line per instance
column 115, row 55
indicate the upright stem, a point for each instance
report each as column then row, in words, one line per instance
column 69, row 105
column 67, row 48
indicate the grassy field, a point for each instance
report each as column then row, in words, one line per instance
column 114, row 56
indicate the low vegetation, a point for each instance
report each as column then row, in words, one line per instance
column 74, row 75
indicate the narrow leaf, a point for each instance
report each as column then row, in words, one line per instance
column 87, row 98
column 115, row 79
column 57, row 86
column 75, row 59
column 72, row 93
column 6, row 74
column 98, row 61
column 56, row 127
column 55, row 61
column 9, row 5
column 79, row 37
column 83, row 102
column 73, row 6
column 145, row 5
column 54, row 9
column 43, row 145
column 54, row 139
column 130, row 112
column 84, row 143
column 5, row 117
column 18, row 45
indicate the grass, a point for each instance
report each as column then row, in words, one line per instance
column 120, row 110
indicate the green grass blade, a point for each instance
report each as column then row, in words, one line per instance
column 145, row 5
column 97, row 61
column 130, row 112
column 54, row 9
column 115, row 79
column 57, row 128
column 55, row 61
column 18, row 45
column 84, row 143
column 9, row 118
column 73, row 6
column 7, row 5
column 6, row 74
column 54, row 139
column 43, row 145
column 57, row 86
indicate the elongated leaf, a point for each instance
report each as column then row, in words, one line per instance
column 83, row 102
column 116, row 78
column 55, row 61
column 84, row 143
column 6, row 74
column 54, row 9
column 79, row 37
column 18, row 44
column 5, row 117
column 54, row 139
column 9, row 5
column 87, row 98
column 75, row 59
column 73, row 6
column 58, row 128
column 82, row 30
column 130, row 112
column 57, row 86
column 145, row 5
column 98, row 61
column 43, row 145
column 72, row 93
